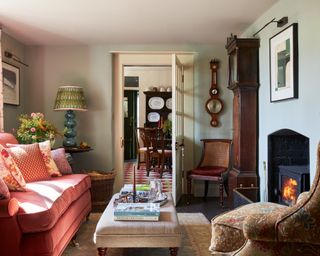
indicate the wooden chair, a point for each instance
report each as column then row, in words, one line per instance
column 214, row 166
column 142, row 143
column 157, row 153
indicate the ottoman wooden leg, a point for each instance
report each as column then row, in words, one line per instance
column 102, row 251
column 173, row 251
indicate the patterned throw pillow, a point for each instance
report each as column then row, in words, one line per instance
column 29, row 159
column 45, row 148
column 10, row 172
column 59, row 157
column 4, row 191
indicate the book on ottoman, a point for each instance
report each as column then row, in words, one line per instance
column 137, row 211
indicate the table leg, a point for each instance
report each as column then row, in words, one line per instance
column 173, row 251
column 102, row 251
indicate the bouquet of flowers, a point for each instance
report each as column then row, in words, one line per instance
column 35, row 128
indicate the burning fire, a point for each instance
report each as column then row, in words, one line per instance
column 289, row 191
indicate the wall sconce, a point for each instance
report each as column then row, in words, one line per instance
column 280, row 23
column 10, row 55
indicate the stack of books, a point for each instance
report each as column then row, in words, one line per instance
column 137, row 211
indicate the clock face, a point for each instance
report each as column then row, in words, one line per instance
column 214, row 106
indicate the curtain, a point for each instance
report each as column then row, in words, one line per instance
column 1, row 86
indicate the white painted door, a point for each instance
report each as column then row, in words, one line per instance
column 177, row 127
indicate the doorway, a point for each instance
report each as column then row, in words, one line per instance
column 127, row 59
column 130, row 115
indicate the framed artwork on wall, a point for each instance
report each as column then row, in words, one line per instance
column 11, row 84
column 283, row 50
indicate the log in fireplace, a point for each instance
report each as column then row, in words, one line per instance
column 288, row 166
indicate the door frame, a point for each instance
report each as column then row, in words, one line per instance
column 126, row 58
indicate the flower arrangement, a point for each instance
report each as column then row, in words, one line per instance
column 35, row 128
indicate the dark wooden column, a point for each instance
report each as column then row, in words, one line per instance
column 244, row 82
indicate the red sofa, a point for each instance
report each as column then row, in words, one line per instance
column 43, row 220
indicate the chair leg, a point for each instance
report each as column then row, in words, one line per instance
column 189, row 182
column 206, row 185
column 221, row 188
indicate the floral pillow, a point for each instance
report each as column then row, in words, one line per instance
column 45, row 148
column 10, row 172
column 59, row 157
column 4, row 191
column 29, row 159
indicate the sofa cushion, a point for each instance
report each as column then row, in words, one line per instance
column 59, row 157
column 45, row 201
column 45, row 148
column 10, row 172
column 227, row 229
column 29, row 159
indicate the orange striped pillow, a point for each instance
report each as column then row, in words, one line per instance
column 10, row 172
column 45, row 149
column 29, row 159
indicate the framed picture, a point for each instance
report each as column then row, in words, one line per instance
column 11, row 84
column 283, row 49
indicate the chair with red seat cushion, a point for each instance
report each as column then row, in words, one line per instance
column 214, row 166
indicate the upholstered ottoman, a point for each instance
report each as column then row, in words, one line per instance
column 227, row 235
column 128, row 234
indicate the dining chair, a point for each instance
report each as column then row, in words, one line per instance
column 214, row 166
column 142, row 142
column 157, row 153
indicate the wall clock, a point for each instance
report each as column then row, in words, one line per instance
column 214, row 105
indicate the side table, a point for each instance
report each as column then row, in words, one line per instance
column 101, row 189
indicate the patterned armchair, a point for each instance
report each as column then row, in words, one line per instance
column 267, row 229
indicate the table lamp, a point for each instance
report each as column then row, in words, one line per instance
column 70, row 98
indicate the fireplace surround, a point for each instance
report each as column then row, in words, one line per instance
column 288, row 166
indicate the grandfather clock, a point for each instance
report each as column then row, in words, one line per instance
column 244, row 82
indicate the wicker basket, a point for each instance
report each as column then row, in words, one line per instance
column 101, row 189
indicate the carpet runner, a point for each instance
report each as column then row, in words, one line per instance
column 141, row 176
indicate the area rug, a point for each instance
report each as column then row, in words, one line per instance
column 196, row 234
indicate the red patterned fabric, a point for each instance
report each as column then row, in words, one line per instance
column 45, row 201
column 45, row 148
column 10, row 172
column 29, row 159
column 209, row 170
column 59, row 157
column 4, row 191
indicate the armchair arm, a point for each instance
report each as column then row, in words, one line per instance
column 10, row 241
column 261, row 227
column 302, row 196
column 8, row 207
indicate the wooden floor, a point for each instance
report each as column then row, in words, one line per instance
column 209, row 207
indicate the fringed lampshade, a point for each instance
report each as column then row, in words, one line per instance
column 70, row 98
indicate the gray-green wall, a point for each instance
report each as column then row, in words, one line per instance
column 91, row 67
column 11, row 112
column 302, row 114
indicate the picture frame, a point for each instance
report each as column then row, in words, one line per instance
column 11, row 84
column 283, row 52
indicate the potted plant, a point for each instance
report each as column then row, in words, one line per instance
column 167, row 128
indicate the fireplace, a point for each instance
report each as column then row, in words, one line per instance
column 288, row 166
column 293, row 179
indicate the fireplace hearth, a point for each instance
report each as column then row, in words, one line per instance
column 288, row 166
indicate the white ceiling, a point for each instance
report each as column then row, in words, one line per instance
column 68, row 22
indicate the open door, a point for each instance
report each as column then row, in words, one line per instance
column 177, row 128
